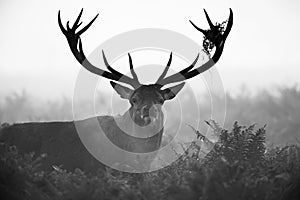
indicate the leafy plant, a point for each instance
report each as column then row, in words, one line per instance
column 240, row 166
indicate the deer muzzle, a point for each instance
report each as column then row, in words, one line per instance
column 150, row 114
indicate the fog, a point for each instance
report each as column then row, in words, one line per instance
column 259, row 68
column 260, row 52
column 280, row 111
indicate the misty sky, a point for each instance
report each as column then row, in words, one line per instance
column 261, row 51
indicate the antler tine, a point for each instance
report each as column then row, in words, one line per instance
column 217, row 39
column 229, row 24
column 109, row 67
column 191, row 66
column 87, row 26
column 211, row 25
column 181, row 73
column 76, row 25
column 199, row 29
column 75, row 44
column 135, row 77
column 62, row 28
column 180, row 76
column 164, row 73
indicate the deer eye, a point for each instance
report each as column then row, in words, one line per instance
column 133, row 100
column 161, row 101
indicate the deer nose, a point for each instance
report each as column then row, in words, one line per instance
column 149, row 110
column 145, row 110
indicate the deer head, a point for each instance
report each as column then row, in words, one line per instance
column 146, row 100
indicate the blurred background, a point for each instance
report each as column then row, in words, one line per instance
column 259, row 67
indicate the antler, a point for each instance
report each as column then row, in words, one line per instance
column 75, row 44
column 216, row 37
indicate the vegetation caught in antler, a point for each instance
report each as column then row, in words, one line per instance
column 208, row 45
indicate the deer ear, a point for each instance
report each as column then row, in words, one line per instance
column 170, row 93
column 123, row 91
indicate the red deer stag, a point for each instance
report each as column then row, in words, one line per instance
column 145, row 100
column 144, row 117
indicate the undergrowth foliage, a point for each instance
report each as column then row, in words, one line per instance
column 242, row 144
column 239, row 166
